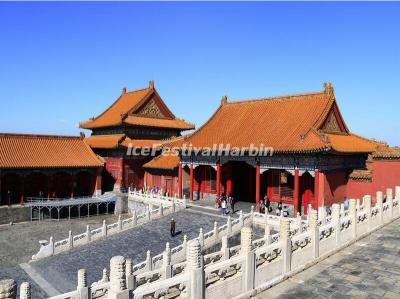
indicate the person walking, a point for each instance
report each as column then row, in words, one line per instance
column 223, row 206
column 173, row 224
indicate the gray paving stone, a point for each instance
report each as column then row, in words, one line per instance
column 370, row 271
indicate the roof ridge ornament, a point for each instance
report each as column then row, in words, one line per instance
column 224, row 100
column 329, row 91
column 151, row 84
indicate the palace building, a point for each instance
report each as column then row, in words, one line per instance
column 312, row 157
column 47, row 166
column 135, row 120
column 313, row 152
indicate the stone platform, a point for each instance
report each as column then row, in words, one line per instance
column 370, row 268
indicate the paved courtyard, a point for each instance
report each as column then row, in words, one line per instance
column 20, row 241
column 61, row 270
column 370, row 268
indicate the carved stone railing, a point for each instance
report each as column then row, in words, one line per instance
column 150, row 213
column 248, row 268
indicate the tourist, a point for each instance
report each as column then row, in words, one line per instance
column 346, row 203
column 261, row 206
column 217, row 202
column 41, row 194
column 223, row 206
column 173, row 224
column 285, row 211
column 267, row 203
column 231, row 202
column 279, row 208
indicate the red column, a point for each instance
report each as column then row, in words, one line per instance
column 180, row 193
column 229, row 179
column 122, row 173
column 98, row 181
column 257, row 184
column 191, row 181
column 296, row 192
column 316, row 189
column 218, row 178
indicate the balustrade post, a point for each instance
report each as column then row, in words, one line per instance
column 82, row 288
column 225, row 248
column 195, row 268
column 215, row 231
column 119, row 223
column 105, row 277
column 314, row 229
column 336, row 222
column 70, row 240
column 117, row 288
column 88, row 234
column 25, row 290
column 309, row 209
column 51, row 244
column 358, row 205
column 166, row 263
column 201, row 238
column 286, row 244
column 241, row 222
column 149, row 261
column 367, row 208
column 104, row 230
column 298, row 223
column 134, row 218
column 246, row 250
column 184, row 244
column 184, row 202
column 129, row 274
column 267, row 234
column 8, row 289
column 389, row 200
column 229, row 226
column 353, row 217
column 148, row 212
column 251, row 214
column 379, row 204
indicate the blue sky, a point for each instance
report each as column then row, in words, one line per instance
column 61, row 63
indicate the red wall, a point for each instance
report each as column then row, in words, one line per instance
column 385, row 174
column 334, row 187
column 165, row 180
column 113, row 167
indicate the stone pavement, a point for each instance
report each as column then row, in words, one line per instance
column 20, row 241
column 61, row 270
column 370, row 268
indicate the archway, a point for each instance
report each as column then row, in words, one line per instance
column 61, row 185
column 306, row 190
column 243, row 181
column 83, row 185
